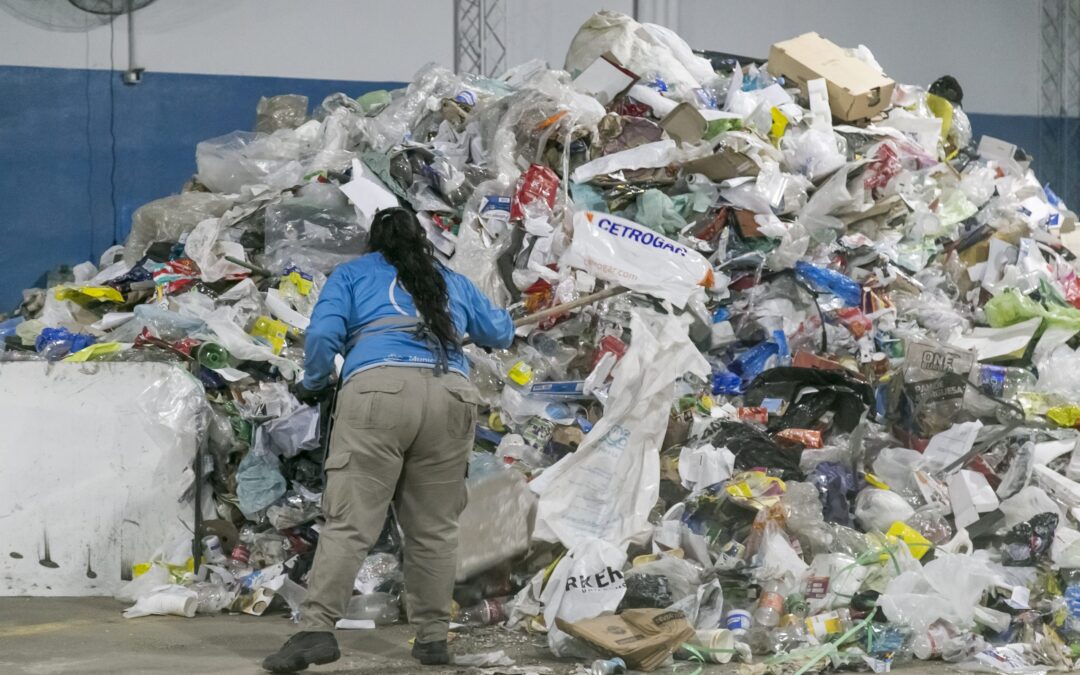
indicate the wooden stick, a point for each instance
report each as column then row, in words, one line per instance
column 565, row 307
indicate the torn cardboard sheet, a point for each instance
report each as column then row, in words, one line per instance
column 643, row 638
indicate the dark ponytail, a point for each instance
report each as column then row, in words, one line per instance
column 398, row 235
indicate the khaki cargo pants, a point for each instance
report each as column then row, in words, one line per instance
column 399, row 432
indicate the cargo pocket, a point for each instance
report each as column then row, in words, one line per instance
column 371, row 403
column 461, row 416
column 332, row 505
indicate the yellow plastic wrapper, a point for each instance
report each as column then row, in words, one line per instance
column 294, row 279
column 755, row 489
column 1065, row 415
column 916, row 543
column 874, row 481
column 93, row 351
column 84, row 295
column 779, row 124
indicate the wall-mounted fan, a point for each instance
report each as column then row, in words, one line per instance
column 81, row 15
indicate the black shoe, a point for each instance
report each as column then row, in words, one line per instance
column 302, row 650
column 431, row 653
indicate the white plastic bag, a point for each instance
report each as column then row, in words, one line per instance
column 777, row 560
column 643, row 49
column 949, row 587
column 577, row 501
column 878, row 509
column 624, row 252
column 586, row 583
column 163, row 601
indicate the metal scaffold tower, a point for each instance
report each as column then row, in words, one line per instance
column 480, row 37
column 1058, row 161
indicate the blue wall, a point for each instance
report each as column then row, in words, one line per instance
column 57, row 191
column 56, row 194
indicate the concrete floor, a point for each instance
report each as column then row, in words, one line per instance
column 43, row 636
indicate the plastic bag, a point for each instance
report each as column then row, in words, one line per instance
column 290, row 434
column 1028, row 542
column 316, row 229
column 576, row 502
column 259, row 483
column 877, row 509
column 230, row 162
column 286, row 111
column 163, row 601
column 643, row 49
column 170, row 218
column 778, row 561
column 477, row 251
column 586, row 583
column 626, row 253
column 143, row 585
column 948, row 587
column 377, row 572
column 657, row 211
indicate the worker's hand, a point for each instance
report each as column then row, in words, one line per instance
column 309, row 397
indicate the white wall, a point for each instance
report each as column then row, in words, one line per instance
column 328, row 39
column 94, row 458
column 991, row 46
column 543, row 30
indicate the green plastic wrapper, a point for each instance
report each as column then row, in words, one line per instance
column 1011, row 307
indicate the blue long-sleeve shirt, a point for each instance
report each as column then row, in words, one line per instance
column 366, row 289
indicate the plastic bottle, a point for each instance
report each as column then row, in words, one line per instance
column 486, row 613
column 382, row 608
column 212, row 548
column 212, row 597
column 1001, row 381
column 241, row 552
column 737, row 621
column 1071, row 578
column 611, row 666
column 770, row 605
column 214, row 356
column 940, row 637
column 822, row 280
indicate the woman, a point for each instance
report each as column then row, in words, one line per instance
column 403, row 428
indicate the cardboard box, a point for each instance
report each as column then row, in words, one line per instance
column 725, row 164
column 856, row 91
column 685, row 124
column 641, row 637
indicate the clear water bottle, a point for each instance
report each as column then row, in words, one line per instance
column 770, row 605
column 611, row 666
column 1001, row 381
column 485, row 613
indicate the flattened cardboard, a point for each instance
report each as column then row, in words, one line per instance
column 642, row 637
column 725, row 164
column 685, row 124
column 856, row 91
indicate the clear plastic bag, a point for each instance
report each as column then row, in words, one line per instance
column 230, row 162
column 315, row 229
column 286, row 111
column 398, row 120
column 477, row 252
column 170, row 218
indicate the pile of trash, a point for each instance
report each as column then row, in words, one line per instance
column 823, row 414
